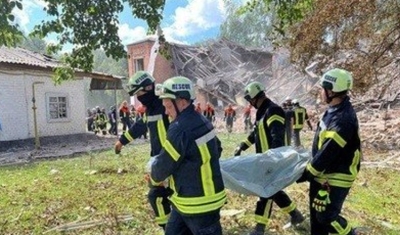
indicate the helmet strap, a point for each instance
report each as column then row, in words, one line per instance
column 176, row 107
column 335, row 94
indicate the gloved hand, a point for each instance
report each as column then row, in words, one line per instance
column 118, row 147
column 237, row 152
column 321, row 200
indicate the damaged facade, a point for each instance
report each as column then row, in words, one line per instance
column 221, row 69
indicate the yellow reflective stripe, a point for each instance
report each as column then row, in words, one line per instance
column 263, row 136
column 289, row 208
column 298, row 112
column 128, row 136
column 336, row 137
column 153, row 118
column 340, row 229
column 198, row 200
column 354, row 164
column 312, row 170
column 171, row 150
column 153, row 182
column 275, row 117
column 171, row 183
column 261, row 219
column 264, row 218
column 247, row 142
column 340, row 176
column 205, row 138
column 144, row 118
column 333, row 182
column 210, row 205
column 162, row 217
column 206, row 172
column 162, row 133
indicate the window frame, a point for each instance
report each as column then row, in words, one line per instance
column 135, row 63
column 67, row 108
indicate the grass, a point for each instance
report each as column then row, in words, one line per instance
column 44, row 195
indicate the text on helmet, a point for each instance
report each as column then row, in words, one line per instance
column 330, row 78
column 141, row 79
column 181, row 87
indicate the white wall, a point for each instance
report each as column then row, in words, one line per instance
column 16, row 100
column 13, row 106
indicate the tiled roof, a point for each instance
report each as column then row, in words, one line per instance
column 25, row 57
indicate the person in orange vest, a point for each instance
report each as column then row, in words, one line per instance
column 229, row 117
column 247, row 118
column 124, row 114
column 198, row 108
column 140, row 114
column 209, row 112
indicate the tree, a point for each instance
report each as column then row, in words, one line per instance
column 361, row 36
column 33, row 44
column 250, row 28
column 10, row 34
column 88, row 25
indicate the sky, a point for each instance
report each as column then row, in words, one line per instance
column 185, row 21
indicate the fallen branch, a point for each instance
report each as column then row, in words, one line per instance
column 88, row 224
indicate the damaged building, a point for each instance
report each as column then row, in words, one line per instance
column 220, row 69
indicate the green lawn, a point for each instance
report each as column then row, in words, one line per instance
column 89, row 191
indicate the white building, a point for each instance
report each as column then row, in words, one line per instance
column 60, row 109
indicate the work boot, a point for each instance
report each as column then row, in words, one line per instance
column 296, row 217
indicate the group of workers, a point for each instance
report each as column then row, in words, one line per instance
column 295, row 117
column 98, row 119
column 186, row 189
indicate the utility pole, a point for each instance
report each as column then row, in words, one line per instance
column 37, row 141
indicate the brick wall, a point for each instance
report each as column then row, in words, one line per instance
column 142, row 50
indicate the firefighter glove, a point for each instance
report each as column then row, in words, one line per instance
column 321, row 200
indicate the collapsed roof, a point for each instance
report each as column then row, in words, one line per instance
column 222, row 69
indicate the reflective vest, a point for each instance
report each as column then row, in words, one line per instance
column 336, row 148
column 300, row 115
column 269, row 131
column 190, row 159
column 155, row 121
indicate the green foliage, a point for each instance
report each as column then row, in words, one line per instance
column 88, row 25
column 250, row 28
column 33, row 44
column 38, row 197
column 287, row 12
column 10, row 34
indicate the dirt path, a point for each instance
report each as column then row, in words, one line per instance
column 23, row 151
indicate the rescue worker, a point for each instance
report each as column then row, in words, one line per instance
column 269, row 132
column 336, row 157
column 101, row 122
column 112, row 118
column 247, row 118
column 198, row 107
column 209, row 112
column 90, row 120
column 190, row 159
column 229, row 117
column 288, row 108
column 124, row 115
column 299, row 116
column 142, row 85
column 141, row 115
